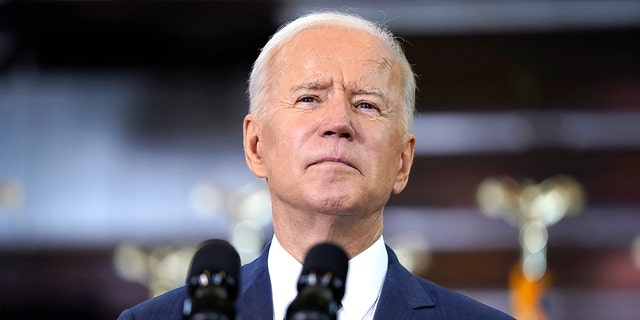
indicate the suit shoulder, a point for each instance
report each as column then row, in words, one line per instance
column 456, row 305
column 167, row 306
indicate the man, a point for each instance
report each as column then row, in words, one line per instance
column 331, row 105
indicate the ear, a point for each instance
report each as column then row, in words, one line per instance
column 251, row 141
column 406, row 158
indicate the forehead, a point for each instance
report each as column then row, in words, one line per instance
column 331, row 37
column 352, row 53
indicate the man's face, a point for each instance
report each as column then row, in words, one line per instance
column 331, row 138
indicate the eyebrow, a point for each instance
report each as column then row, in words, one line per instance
column 322, row 85
column 314, row 85
column 369, row 91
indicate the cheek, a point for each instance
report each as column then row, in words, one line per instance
column 389, row 152
column 280, row 143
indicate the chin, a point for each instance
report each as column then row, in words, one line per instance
column 351, row 206
column 339, row 206
column 337, row 198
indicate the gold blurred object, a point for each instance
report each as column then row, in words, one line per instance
column 532, row 208
column 160, row 268
column 526, row 295
column 517, row 202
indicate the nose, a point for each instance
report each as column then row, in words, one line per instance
column 338, row 120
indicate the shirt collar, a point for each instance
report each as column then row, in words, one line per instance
column 365, row 277
column 284, row 271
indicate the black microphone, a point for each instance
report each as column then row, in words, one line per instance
column 321, row 284
column 212, row 282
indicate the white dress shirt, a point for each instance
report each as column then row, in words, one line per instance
column 365, row 277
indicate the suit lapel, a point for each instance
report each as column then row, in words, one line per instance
column 254, row 301
column 401, row 294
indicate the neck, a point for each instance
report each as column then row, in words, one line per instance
column 298, row 232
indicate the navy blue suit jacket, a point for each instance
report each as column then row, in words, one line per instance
column 404, row 296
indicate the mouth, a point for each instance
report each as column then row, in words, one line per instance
column 330, row 160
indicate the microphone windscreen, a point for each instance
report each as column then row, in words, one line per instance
column 324, row 258
column 215, row 255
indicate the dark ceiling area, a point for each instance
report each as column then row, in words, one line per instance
column 172, row 35
column 552, row 70
column 545, row 69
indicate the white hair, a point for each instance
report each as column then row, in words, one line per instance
column 259, row 78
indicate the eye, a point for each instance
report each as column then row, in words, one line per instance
column 308, row 99
column 366, row 106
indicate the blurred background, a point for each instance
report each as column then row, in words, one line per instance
column 120, row 150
